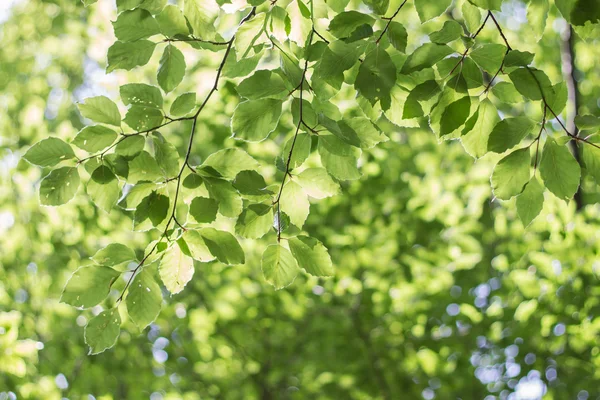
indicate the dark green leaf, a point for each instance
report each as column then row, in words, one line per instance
column 508, row 133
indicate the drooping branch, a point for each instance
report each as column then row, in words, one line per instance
column 185, row 163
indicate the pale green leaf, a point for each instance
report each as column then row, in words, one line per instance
column 530, row 202
column 171, row 69
column 176, row 269
column 59, row 186
column 559, row 170
column 114, row 254
column 311, row 255
column 255, row 221
column 254, row 120
column 511, row 174
column 100, row 109
column 317, row 183
column 88, row 286
column 49, row 152
column 279, row 266
column 144, row 299
column 102, row 331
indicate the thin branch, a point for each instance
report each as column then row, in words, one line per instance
column 464, row 54
column 389, row 21
column 193, row 39
column 185, row 164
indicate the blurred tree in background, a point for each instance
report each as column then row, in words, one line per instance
column 439, row 290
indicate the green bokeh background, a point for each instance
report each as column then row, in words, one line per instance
column 439, row 292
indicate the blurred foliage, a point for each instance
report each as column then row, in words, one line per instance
column 439, row 290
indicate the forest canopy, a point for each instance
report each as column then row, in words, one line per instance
column 273, row 199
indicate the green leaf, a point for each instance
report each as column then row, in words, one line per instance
column 128, row 55
column 591, row 154
column 141, row 94
column 103, row 188
column 339, row 158
column 529, row 81
column 151, row 212
column 337, row 58
column 144, row 168
column 171, row 68
column 294, row 203
column 230, row 162
column 279, row 267
column 123, row 5
column 134, row 25
column 345, row 23
column 196, row 246
column 449, row 32
column 428, row 9
column 475, row 140
column 184, row 104
column 378, row 6
column 587, row 122
column 489, row 56
column 49, row 152
column 488, row 4
column 59, row 186
column 559, row 170
column 172, row 22
column 223, row 245
column 397, row 36
column 455, row 115
column 516, row 58
column 511, row 174
column 88, row 286
column 114, row 254
column 154, row 6
column 248, row 34
column 144, row 299
column 263, row 83
column 557, row 97
column 100, row 109
column 230, row 202
column 317, row 183
column 166, row 155
column 508, row 133
column 201, row 15
column 102, row 331
column 255, row 221
column 537, row 13
column 176, row 269
column 301, row 151
column 203, row 210
column 376, row 77
column 472, row 16
column 530, row 202
column 425, row 56
column 421, row 92
column 506, row 92
column 251, row 183
column 94, row 138
column 358, row 131
column 309, row 116
column 311, row 255
column 254, row 120
column 143, row 118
